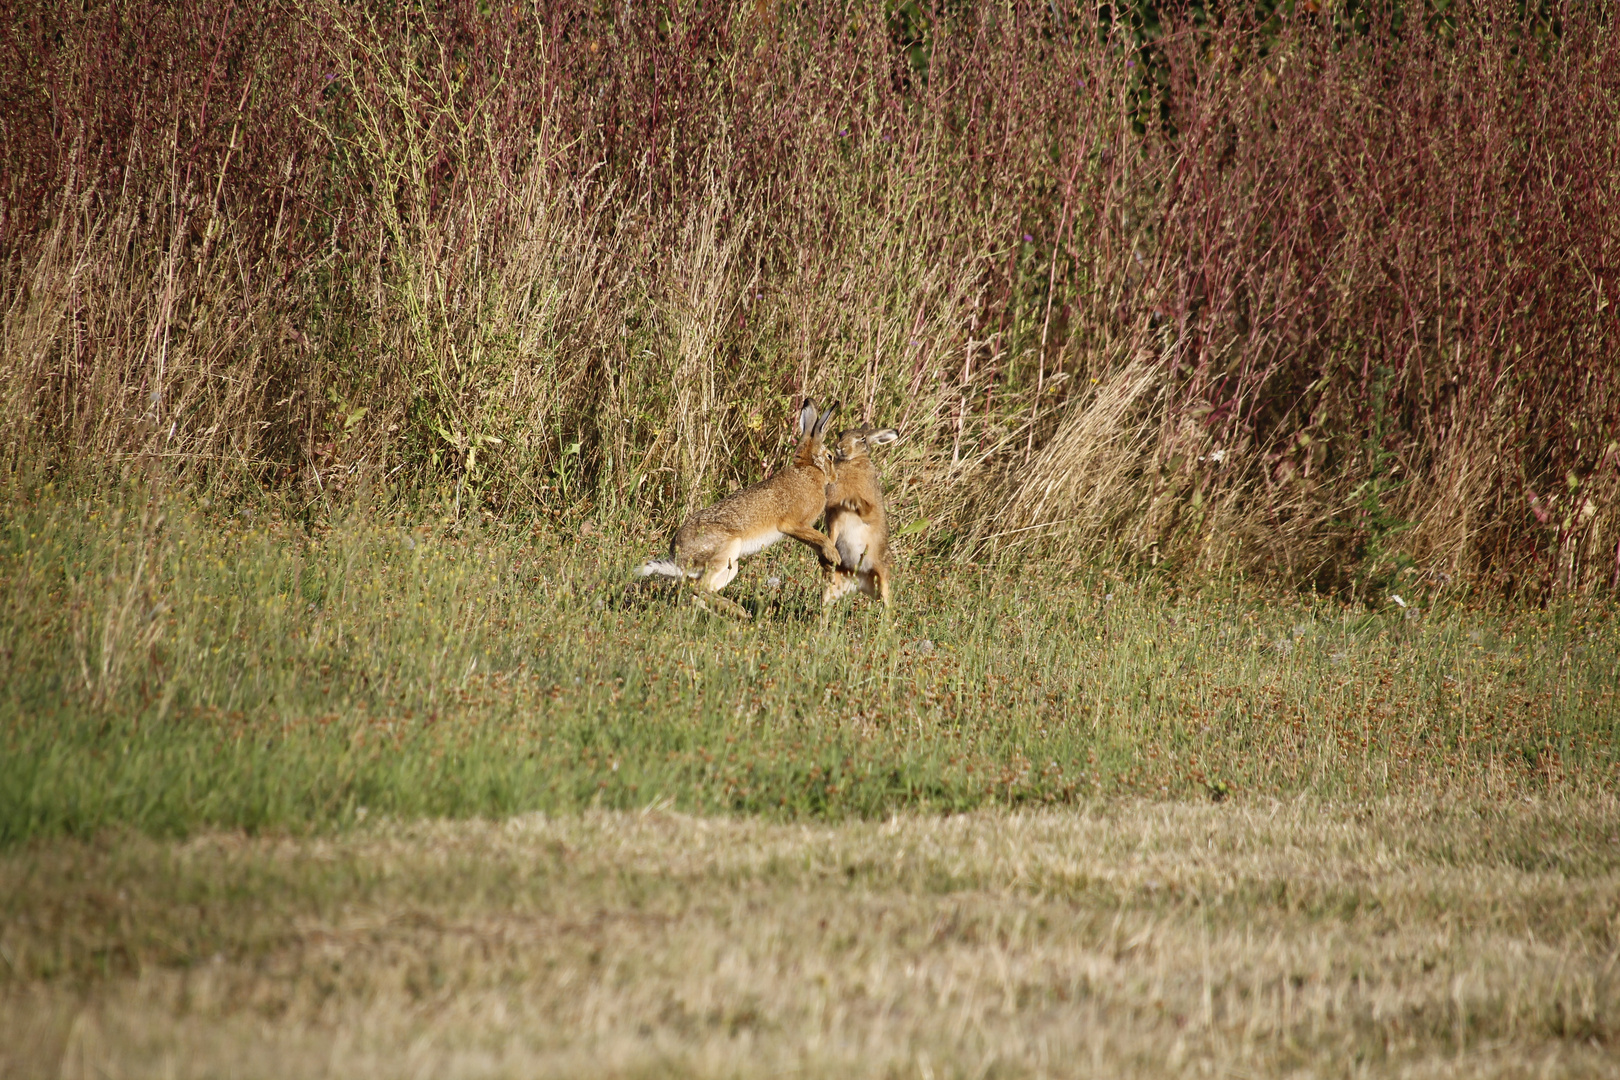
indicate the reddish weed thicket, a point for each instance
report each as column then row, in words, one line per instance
column 1338, row 304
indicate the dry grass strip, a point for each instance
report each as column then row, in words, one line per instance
column 1127, row 939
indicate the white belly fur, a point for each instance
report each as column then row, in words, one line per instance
column 854, row 540
column 758, row 542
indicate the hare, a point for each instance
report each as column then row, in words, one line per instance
column 705, row 549
column 855, row 521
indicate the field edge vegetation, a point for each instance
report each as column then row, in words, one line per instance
column 1327, row 296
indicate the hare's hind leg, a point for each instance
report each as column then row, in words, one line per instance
column 707, row 596
column 873, row 583
column 717, row 574
column 839, row 585
column 720, row 605
column 868, row 581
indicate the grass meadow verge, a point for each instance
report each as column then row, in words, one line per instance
column 172, row 667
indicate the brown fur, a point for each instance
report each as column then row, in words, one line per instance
column 706, row 548
column 855, row 520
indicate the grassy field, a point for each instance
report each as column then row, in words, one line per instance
column 380, row 796
column 1250, row 704
column 168, row 667
column 1301, row 937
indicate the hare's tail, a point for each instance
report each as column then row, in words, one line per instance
column 661, row 567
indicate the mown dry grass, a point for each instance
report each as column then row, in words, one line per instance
column 1253, row 937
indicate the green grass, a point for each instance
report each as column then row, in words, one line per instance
column 171, row 667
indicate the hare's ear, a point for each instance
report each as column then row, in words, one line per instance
column 807, row 417
column 821, row 425
column 882, row 438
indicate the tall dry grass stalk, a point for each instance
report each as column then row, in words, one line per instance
column 1085, row 483
column 563, row 259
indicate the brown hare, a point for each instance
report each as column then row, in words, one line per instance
column 705, row 549
column 855, row 521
